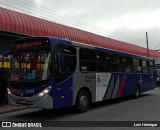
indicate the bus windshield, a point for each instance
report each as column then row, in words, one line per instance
column 30, row 65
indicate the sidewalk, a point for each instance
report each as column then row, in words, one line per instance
column 7, row 108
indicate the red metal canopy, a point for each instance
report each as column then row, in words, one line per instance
column 25, row 24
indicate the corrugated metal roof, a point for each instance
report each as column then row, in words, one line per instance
column 22, row 23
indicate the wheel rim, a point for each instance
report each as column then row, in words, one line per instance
column 83, row 101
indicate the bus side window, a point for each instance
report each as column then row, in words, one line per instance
column 144, row 66
column 137, row 65
column 64, row 61
column 151, row 67
column 126, row 64
column 87, row 60
column 103, row 62
column 116, row 65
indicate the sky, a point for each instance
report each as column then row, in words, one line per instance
column 125, row 20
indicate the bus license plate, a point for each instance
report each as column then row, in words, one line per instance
column 22, row 101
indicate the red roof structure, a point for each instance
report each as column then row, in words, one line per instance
column 30, row 25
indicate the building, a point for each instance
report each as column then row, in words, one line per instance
column 14, row 25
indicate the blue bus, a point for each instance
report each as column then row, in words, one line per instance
column 51, row 73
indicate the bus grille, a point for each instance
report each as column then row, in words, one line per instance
column 24, row 102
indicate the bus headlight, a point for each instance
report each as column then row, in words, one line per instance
column 9, row 92
column 44, row 92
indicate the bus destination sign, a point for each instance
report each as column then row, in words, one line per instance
column 24, row 45
column 27, row 45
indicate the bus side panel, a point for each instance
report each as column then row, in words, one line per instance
column 148, row 82
column 122, row 84
column 130, row 81
column 102, row 83
column 84, row 80
column 115, row 87
column 63, row 93
column 118, row 84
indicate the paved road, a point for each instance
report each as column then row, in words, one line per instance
column 145, row 108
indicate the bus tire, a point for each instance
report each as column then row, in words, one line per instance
column 82, row 101
column 136, row 91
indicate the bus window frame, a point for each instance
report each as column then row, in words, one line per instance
column 103, row 61
column 60, row 72
column 90, row 60
column 127, row 66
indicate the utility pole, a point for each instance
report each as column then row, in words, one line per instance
column 147, row 44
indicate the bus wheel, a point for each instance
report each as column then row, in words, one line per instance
column 136, row 91
column 82, row 101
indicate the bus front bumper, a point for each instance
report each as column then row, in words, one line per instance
column 35, row 102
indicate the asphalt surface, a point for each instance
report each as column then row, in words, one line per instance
column 145, row 108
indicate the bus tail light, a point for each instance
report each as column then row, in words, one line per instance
column 44, row 92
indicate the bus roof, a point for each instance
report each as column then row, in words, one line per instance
column 84, row 45
column 110, row 50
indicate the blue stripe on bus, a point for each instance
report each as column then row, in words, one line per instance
column 109, row 88
column 116, row 87
column 122, row 84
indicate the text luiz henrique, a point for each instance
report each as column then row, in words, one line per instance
column 143, row 124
